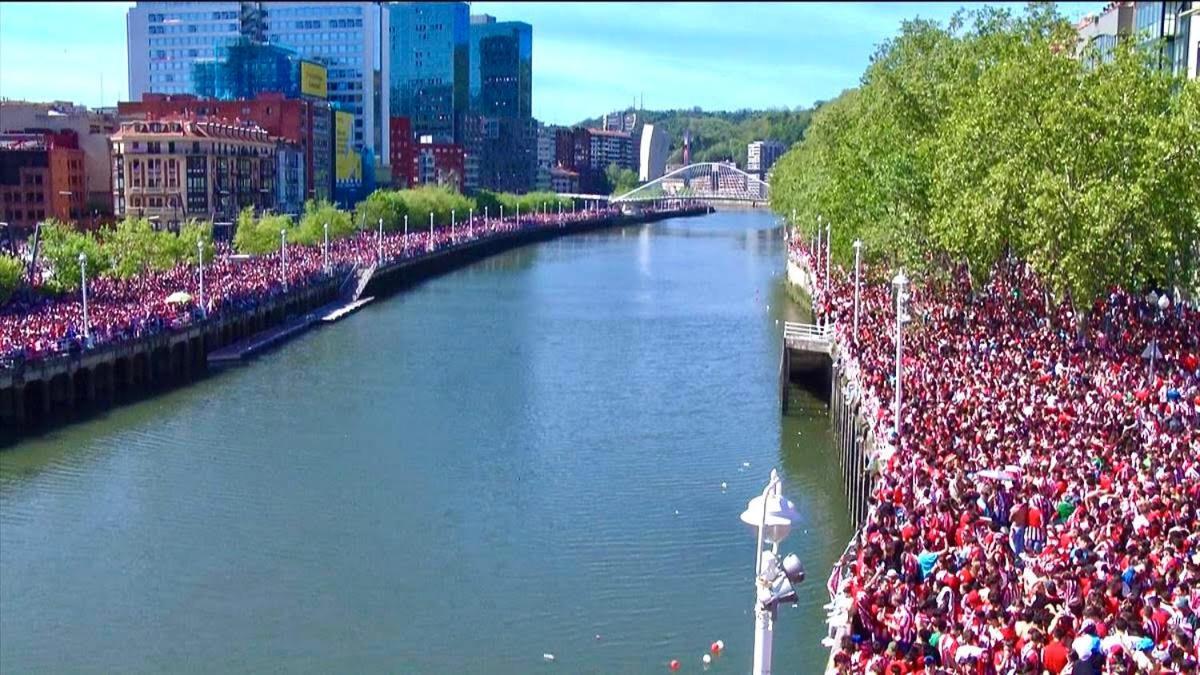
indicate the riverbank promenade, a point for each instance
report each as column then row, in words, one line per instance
column 1039, row 506
column 120, row 310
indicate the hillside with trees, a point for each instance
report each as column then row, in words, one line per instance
column 722, row 135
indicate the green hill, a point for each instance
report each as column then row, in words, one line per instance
column 723, row 135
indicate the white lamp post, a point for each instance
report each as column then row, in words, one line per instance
column 817, row 250
column 83, row 287
column 431, row 231
column 470, row 223
column 502, row 214
column 200, row 264
column 772, row 515
column 485, row 217
column 325, row 251
column 857, row 266
column 517, row 216
column 452, row 218
column 900, row 282
column 283, row 257
column 379, row 243
column 406, row 232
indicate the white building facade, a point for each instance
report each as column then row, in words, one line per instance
column 652, row 156
column 164, row 39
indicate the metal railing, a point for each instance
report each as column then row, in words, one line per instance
column 793, row 330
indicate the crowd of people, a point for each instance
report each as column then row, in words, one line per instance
column 1037, row 510
column 36, row 326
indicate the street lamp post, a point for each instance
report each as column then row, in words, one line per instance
column 325, row 251
column 857, row 285
column 470, row 223
column 83, row 287
column 502, row 214
column 900, row 282
column 200, row 265
column 452, row 219
column 283, row 257
column 431, row 231
column 772, row 516
column 379, row 243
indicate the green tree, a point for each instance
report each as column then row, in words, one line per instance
column 135, row 247
column 316, row 215
column 11, row 272
column 60, row 249
column 621, row 180
column 260, row 236
column 385, row 204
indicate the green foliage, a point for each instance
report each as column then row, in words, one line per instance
column 260, row 236
column 61, row 245
column 191, row 232
column 420, row 202
column 11, row 271
column 312, row 223
column 621, row 180
column 983, row 137
column 533, row 202
column 721, row 135
column 135, row 247
column 385, row 204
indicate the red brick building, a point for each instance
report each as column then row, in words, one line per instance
column 402, row 153
column 307, row 123
column 41, row 176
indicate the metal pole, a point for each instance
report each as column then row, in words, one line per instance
column 502, row 214
column 200, row 264
column 431, row 230
column 83, row 287
column 763, row 622
column 470, row 223
column 283, row 257
column 379, row 243
column 857, row 272
column 325, row 251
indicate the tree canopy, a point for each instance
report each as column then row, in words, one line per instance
column 988, row 136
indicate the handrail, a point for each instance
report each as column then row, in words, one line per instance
column 796, row 330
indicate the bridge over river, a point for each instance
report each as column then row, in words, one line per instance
column 524, row 456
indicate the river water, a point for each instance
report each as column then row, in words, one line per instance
column 521, row 457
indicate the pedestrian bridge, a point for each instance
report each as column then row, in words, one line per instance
column 701, row 182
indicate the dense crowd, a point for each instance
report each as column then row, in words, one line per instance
column 1037, row 511
column 123, row 309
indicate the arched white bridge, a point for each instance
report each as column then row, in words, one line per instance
column 703, row 181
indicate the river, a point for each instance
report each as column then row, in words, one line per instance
column 521, row 457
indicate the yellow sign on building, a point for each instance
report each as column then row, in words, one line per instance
column 314, row 80
column 347, row 163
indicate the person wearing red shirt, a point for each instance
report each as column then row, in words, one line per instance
column 1056, row 654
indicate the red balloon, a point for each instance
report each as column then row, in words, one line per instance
column 674, row 664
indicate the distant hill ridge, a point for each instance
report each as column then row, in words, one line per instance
column 722, row 135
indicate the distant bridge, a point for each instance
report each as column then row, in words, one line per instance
column 701, row 182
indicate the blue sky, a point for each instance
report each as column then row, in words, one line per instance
column 588, row 58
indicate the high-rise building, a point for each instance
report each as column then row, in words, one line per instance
column 429, row 64
column 501, row 67
column 761, row 156
column 92, row 127
column 166, row 39
column 41, row 176
column 653, row 152
column 611, row 147
column 503, row 138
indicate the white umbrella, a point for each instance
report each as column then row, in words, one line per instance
column 179, row 297
column 996, row 474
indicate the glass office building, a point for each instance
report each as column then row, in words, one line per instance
column 429, row 61
column 165, row 40
column 501, row 67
